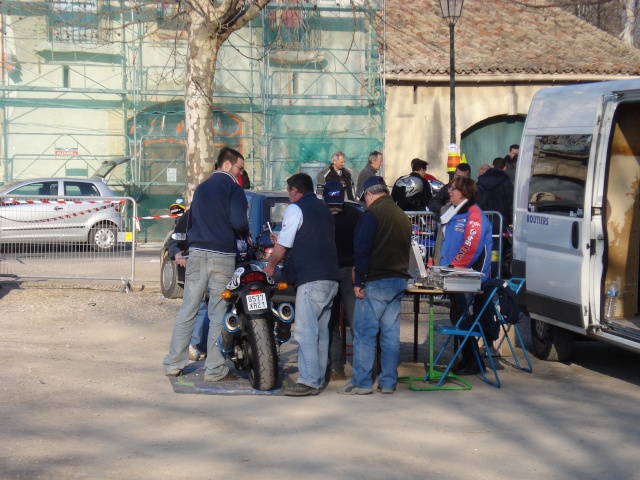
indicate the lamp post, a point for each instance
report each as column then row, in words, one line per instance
column 451, row 11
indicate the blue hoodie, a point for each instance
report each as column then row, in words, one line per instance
column 218, row 214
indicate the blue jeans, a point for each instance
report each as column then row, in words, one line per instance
column 201, row 328
column 205, row 271
column 347, row 299
column 378, row 312
column 311, row 329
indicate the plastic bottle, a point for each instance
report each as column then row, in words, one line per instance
column 611, row 301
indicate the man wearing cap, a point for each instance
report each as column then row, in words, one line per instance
column 308, row 240
column 346, row 217
column 381, row 259
column 370, row 170
column 412, row 192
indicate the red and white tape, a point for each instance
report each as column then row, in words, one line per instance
column 154, row 217
column 59, row 202
column 70, row 215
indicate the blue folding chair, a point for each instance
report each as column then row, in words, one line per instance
column 505, row 313
column 510, row 321
column 474, row 332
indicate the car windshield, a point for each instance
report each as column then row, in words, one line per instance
column 276, row 208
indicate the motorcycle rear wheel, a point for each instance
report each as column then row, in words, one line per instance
column 263, row 359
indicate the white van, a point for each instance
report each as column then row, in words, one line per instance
column 577, row 215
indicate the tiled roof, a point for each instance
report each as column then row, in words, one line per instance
column 497, row 37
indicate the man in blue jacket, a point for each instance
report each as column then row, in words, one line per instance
column 218, row 216
column 308, row 239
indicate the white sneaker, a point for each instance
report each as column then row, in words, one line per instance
column 195, row 355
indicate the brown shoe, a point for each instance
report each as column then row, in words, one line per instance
column 229, row 377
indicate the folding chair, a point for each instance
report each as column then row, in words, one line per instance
column 510, row 321
column 472, row 333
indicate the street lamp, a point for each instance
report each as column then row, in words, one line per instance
column 451, row 11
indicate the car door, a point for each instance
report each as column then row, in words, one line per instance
column 79, row 212
column 32, row 218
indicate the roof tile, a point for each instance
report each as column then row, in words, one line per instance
column 500, row 37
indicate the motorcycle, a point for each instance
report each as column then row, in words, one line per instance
column 252, row 325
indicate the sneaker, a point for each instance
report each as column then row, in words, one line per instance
column 229, row 377
column 337, row 375
column 385, row 390
column 351, row 389
column 176, row 372
column 195, row 355
column 301, row 390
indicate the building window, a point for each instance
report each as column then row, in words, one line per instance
column 293, row 27
column 170, row 17
column 74, row 21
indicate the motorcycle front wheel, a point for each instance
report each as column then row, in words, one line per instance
column 263, row 359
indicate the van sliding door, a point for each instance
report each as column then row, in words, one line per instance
column 617, row 197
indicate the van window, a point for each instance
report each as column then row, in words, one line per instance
column 558, row 174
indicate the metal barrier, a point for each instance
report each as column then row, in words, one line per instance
column 425, row 230
column 52, row 237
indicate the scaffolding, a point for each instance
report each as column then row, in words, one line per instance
column 84, row 81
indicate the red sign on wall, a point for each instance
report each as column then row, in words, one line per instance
column 66, row 152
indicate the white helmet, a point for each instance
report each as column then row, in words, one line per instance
column 412, row 185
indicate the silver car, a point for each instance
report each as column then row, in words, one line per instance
column 43, row 216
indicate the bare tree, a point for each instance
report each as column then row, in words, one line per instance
column 630, row 24
column 617, row 17
column 210, row 23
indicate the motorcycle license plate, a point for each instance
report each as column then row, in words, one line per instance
column 256, row 302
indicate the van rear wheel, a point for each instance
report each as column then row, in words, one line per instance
column 550, row 342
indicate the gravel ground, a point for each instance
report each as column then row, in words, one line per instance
column 83, row 395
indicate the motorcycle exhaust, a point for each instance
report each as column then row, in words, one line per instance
column 283, row 331
column 285, row 315
column 225, row 342
column 231, row 322
column 231, row 326
column 285, row 312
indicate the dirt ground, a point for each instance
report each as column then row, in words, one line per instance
column 83, row 395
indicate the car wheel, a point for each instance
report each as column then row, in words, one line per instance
column 103, row 237
column 169, row 284
column 550, row 342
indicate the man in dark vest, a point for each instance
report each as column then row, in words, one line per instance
column 308, row 240
column 381, row 264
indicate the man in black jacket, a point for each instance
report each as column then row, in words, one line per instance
column 346, row 217
column 496, row 192
column 336, row 172
column 412, row 192
column 441, row 199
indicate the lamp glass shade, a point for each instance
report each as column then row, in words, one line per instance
column 451, row 10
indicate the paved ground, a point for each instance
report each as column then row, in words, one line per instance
column 83, row 395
